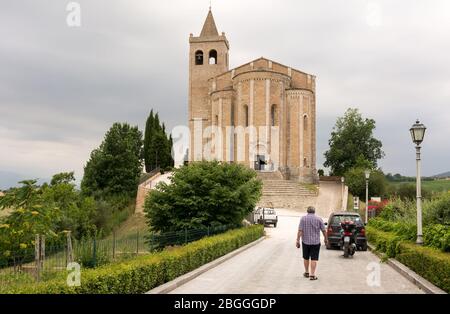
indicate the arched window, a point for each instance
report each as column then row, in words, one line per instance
column 305, row 122
column 246, row 115
column 213, row 57
column 198, row 57
column 305, row 162
column 273, row 115
column 217, row 120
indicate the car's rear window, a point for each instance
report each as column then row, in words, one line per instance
column 337, row 219
column 269, row 211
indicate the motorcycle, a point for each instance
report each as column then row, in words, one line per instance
column 348, row 238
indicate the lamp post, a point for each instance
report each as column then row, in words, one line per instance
column 342, row 193
column 367, row 174
column 417, row 134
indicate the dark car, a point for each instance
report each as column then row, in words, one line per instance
column 334, row 229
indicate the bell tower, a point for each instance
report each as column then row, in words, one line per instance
column 208, row 57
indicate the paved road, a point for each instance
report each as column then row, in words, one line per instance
column 275, row 266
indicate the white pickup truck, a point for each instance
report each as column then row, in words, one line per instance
column 266, row 216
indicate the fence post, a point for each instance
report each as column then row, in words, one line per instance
column 94, row 252
column 114, row 245
column 42, row 251
column 137, row 243
column 69, row 249
column 208, row 231
column 185, row 235
column 37, row 256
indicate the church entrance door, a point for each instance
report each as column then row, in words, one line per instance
column 260, row 162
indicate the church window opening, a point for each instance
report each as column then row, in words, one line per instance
column 305, row 162
column 198, row 57
column 213, row 57
column 273, row 115
column 305, row 122
column 217, row 120
column 246, row 115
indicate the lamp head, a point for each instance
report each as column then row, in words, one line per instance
column 417, row 132
column 367, row 174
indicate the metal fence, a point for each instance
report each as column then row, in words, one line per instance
column 46, row 260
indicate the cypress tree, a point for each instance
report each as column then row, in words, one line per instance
column 157, row 145
column 149, row 126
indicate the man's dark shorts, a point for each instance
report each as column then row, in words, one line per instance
column 311, row 251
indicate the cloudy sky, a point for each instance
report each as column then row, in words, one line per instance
column 62, row 87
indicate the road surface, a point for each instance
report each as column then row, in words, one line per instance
column 275, row 266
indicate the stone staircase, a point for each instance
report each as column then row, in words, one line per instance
column 282, row 193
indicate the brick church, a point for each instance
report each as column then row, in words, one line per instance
column 261, row 114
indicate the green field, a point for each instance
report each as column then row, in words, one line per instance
column 432, row 186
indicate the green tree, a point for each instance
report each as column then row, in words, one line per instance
column 63, row 177
column 115, row 167
column 203, row 194
column 29, row 216
column 352, row 139
column 75, row 212
column 157, row 146
column 356, row 181
column 149, row 129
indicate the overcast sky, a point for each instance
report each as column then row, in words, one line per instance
column 62, row 87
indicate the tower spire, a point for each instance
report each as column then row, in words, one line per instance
column 209, row 28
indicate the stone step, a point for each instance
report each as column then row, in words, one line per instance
column 275, row 175
column 288, row 194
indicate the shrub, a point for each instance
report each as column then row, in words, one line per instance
column 437, row 210
column 437, row 236
column 383, row 241
column 203, row 194
column 427, row 262
column 143, row 273
column 430, row 263
column 399, row 210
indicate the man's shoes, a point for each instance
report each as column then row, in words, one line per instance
column 306, row 275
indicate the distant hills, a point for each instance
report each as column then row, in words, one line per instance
column 10, row 179
column 442, row 175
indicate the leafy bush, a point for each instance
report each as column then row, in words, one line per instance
column 203, row 194
column 384, row 241
column 427, row 262
column 400, row 210
column 436, row 236
column 143, row 273
column 430, row 263
column 437, row 210
column 90, row 254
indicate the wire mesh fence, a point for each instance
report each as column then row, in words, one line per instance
column 46, row 260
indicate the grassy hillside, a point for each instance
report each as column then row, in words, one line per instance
column 131, row 226
column 432, row 186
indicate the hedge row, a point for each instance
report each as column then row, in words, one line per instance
column 143, row 273
column 430, row 263
column 434, row 235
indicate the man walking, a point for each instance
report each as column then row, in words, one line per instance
column 309, row 230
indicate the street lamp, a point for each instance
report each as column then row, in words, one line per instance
column 367, row 174
column 343, row 189
column 417, row 134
